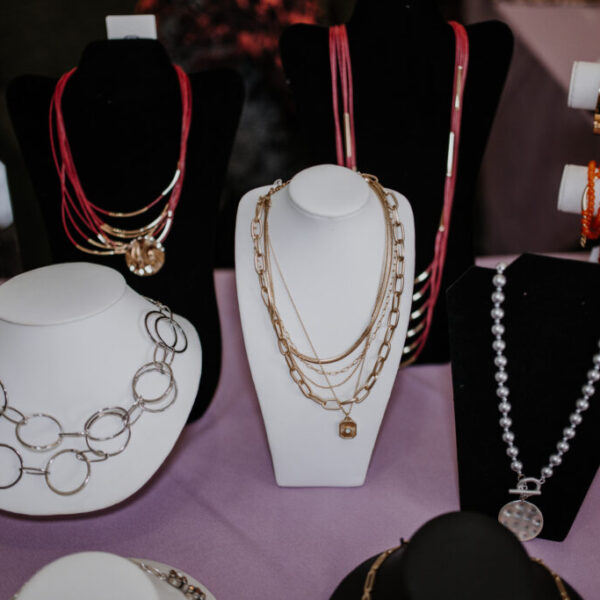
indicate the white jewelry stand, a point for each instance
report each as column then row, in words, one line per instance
column 585, row 85
column 572, row 188
column 570, row 195
column 583, row 93
column 99, row 576
column 71, row 338
column 328, row 231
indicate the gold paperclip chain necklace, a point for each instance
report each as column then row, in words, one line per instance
column 355, row 364
column 390, row 290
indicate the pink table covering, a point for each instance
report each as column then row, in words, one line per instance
column 214, row 510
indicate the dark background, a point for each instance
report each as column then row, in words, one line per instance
column 534, row 134
column 45, row 37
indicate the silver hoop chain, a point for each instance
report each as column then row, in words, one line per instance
column 174, row 579
column 95, row 449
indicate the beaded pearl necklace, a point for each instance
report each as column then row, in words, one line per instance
column 524, row 518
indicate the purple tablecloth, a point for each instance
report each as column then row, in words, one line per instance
column 215, row 511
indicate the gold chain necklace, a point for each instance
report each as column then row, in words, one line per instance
column 392, row 277
column 354, row 365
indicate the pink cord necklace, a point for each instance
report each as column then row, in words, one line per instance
column 339, row 59
column 84, row 222
column 428, row 283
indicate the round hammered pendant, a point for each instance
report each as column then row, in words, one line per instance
column 523, row 518
column 145, row 256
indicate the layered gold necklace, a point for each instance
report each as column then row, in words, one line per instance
column 334, row 372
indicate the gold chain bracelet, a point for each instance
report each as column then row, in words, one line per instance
column 560, row 586
column 370, row 580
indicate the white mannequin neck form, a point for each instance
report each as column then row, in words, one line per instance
column 327, row 230
column 100, row 576
column 71, row 338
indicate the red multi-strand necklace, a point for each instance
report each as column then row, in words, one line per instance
column 84, row 222
column 428, row 282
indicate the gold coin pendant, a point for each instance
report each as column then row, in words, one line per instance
column 145, row 256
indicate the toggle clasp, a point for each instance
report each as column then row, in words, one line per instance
column 524, row 490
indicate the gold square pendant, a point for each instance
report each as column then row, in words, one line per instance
column 347, row 428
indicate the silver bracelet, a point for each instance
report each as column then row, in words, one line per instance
column 173, row 578
column 100, row 445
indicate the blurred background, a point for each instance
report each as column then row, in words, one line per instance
column 534, row 134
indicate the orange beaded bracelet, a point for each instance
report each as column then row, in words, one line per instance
column 590, row 223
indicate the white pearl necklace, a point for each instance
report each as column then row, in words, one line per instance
column 523, row 518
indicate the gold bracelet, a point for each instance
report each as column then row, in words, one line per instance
column 560, row 586
column 370, row 580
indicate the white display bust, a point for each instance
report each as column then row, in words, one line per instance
column 328, row 229
column 100, row 576
column 72, row 336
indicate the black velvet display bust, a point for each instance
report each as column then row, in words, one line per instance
column 403, row 68
column 552, row 331
column 460, row 555
column 122, row 110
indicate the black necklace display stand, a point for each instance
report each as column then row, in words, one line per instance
column 403, row 68
column 552, row 330
column 122, row 110
column 460, row 555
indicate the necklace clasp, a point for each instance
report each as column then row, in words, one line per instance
column 524, row 491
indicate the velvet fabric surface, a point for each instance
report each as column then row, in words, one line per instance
column 213, row 509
